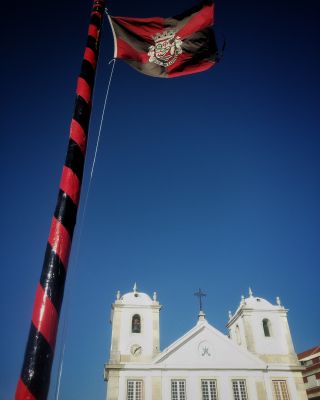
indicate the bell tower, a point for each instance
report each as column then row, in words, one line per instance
column 135, row 328
column 263, row 329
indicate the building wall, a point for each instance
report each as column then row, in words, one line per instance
column 310, row 359
column 259, row 384
column 127, row 338
column 252, row 335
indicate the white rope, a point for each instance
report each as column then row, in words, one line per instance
column 103, row 111
column 57, row 396
column 60, row 372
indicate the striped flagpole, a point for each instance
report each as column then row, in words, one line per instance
column 34, row 380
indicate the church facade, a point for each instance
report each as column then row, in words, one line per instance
column 256, row 361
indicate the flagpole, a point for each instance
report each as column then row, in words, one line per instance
column 34, row 380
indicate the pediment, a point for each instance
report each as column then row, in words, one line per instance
column 205, row 347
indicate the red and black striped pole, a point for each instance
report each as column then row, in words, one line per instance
column 35, row 375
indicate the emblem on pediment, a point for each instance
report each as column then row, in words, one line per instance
column 205, row 349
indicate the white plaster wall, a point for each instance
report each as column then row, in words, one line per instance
column 148, row 387
column 145, row 338
column 122, row 387
column 233, row 335
column 223, row 354
column 193, row 382
column 276, row 343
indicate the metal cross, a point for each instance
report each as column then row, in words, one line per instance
column 200, row 294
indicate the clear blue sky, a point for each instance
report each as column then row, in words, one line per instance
column 207, row 181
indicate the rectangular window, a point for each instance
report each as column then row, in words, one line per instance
column 178, row 389
column 209, row 389
column 134, row 390
column 280, row 390
column 239, row 389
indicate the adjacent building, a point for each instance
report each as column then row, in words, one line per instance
column 256, row 361
column 310, row 359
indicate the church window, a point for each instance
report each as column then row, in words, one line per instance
column 209, row 389
column 136, row 324
column 280, row 390
column 239, row 389
column 178, row 389
column 266, row 327
column 134, row 390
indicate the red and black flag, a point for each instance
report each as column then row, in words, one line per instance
column 168, row 47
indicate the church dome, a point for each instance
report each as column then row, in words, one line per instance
column 258, row 303
column 136, row 298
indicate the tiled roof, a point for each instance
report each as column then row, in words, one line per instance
column 309, row 352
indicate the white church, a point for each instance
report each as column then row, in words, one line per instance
column 256, row 361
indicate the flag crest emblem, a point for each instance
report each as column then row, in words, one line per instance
column 166, row 48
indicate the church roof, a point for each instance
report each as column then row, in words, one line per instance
column 308, row 353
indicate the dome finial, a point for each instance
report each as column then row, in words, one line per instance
column 135, row 288
column 250, row 292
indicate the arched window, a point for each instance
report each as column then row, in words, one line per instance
column 266, row 327
column 136, row 324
